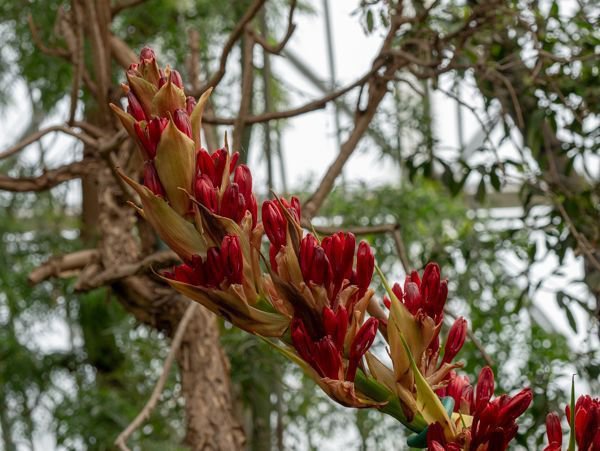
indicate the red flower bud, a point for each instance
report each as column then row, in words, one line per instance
column 149, row 149
column 184, row 273
column 336, row 325
column 318, row 268
column 214, row 268
column 328, row 361
column 151, row 180
column 176, row 79
column 206, row 193
column 435, row 437
column 206, row 166
column 182, row 122
column 554, row 431
column 362, row 342
column 302, row 341
column 515, row 406
column 307, row 250
column 275, row 224
column 219, row 158
column 387, row 302
column 397, row 290
column 365, row 264
column 485, row 388
column 231, row 259
column 340, row 252
column 135, row 107
column 150, row 136
column 243, row 177
column 190, row 104
column 412, row 297
column 155, row 128
column 233, row 204
column 456, row 339
column 147, row 54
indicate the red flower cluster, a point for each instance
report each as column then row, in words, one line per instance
column 330, row 264
column 330, row 268
column 325, row 354
column 493, row 424
column 224, row 265
column 427, row 295
column 237, row 197
column 587, row 425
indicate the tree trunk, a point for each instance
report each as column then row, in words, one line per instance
column 204, row 368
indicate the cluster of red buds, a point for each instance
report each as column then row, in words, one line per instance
column 221, row 265
column 586, row 425
column 492, row 422
column 311, row 299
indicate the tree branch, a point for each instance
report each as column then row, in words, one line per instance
column 58, row 266
column 233, row 37
column 49, row 179
column 116, row 273
column 144, row 414
column 276, row 49
column 83, row 137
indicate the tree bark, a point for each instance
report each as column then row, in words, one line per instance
column 204, row 369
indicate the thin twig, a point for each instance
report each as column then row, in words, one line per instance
column 306, row 108
column 276, row 49
column 144, row 414
column 86, row 139
column 233, row 37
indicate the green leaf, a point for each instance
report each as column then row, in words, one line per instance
column 370, row 21
column 495, row 179
column 572, row 419
column 480, row 194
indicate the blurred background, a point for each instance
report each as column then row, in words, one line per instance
column 485, row 160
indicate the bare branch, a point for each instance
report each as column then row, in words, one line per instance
column 144, row 414
column 37, row 40
column 233, row 37
column 49, row 179
column 116, row 273
column 86, row 139
column 306, row 108
column 276, row 49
